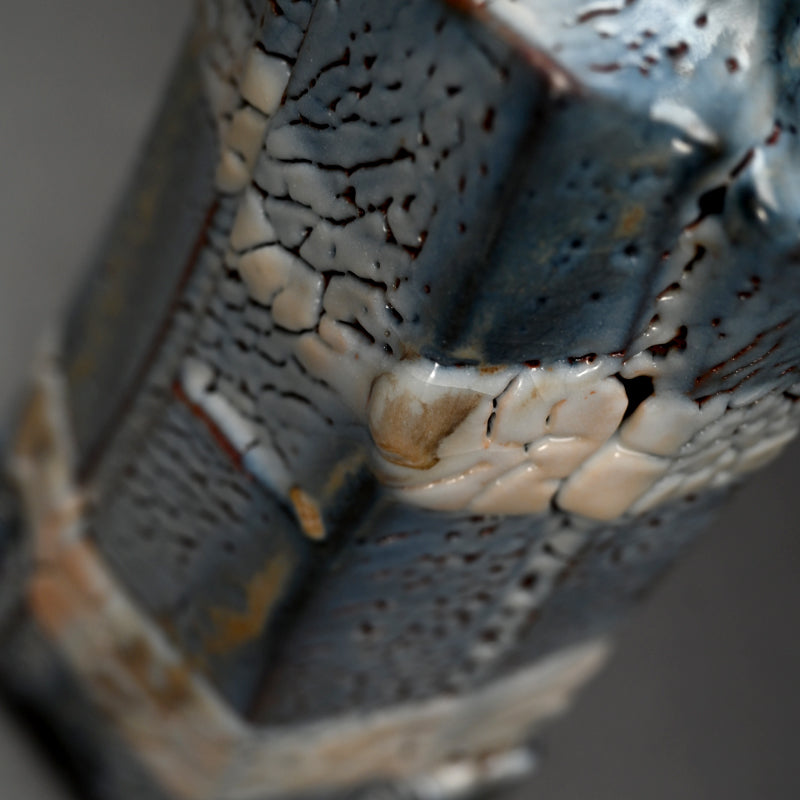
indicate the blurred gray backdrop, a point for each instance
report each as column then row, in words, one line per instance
column 701, row 699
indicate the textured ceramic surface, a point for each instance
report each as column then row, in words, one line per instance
column 416, row 386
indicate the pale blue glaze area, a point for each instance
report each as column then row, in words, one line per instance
column 562, row 276
column 285, row 28
column 619, row 567
column 189, row 534
column 394, row 617
column 394, row 151
column 720, row 59
column 753, row 288
column 410, row 590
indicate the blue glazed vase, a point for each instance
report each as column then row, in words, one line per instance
column 428, row 335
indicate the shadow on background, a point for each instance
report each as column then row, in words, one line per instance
column 701, row 698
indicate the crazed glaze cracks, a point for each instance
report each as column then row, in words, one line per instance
column 511, row 441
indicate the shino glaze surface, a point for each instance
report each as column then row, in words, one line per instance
column 428, row 335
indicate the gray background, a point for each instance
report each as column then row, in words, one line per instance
column 701, row 698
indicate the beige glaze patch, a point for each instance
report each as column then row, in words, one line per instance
column 452, row 439
column 490, row 441
column 523, row 490
column 244, row 85
column 264, row 81
column 246, row 134
column 251, row 227
column 177, row 726
column 276, row 277
column 511, row 440
column 243, row 136
column 232, row 174
column 663, row 423
column 610, row 482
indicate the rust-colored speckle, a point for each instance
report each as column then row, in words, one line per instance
column 540, row 59
column 630, row 222
column 733, row 361
column 466, row 6
column 678, row 342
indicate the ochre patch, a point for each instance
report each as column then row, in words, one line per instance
column 308, row 514
column 234, row 628
column 408, row 429
column 630, row 222
column 168, row 685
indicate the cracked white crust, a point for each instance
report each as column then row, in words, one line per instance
column 509, row 439
column 234, row 72
column 558, row 434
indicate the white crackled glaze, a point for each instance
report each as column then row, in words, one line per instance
column 264, row 81
column 251, row 226
column 258, row 454
column 492, row 441
column 254, row 79
column 567, row 441
column 509, row 439
column 608, row 483
column 728, row 445
column 513, row 440
column 276, row 277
